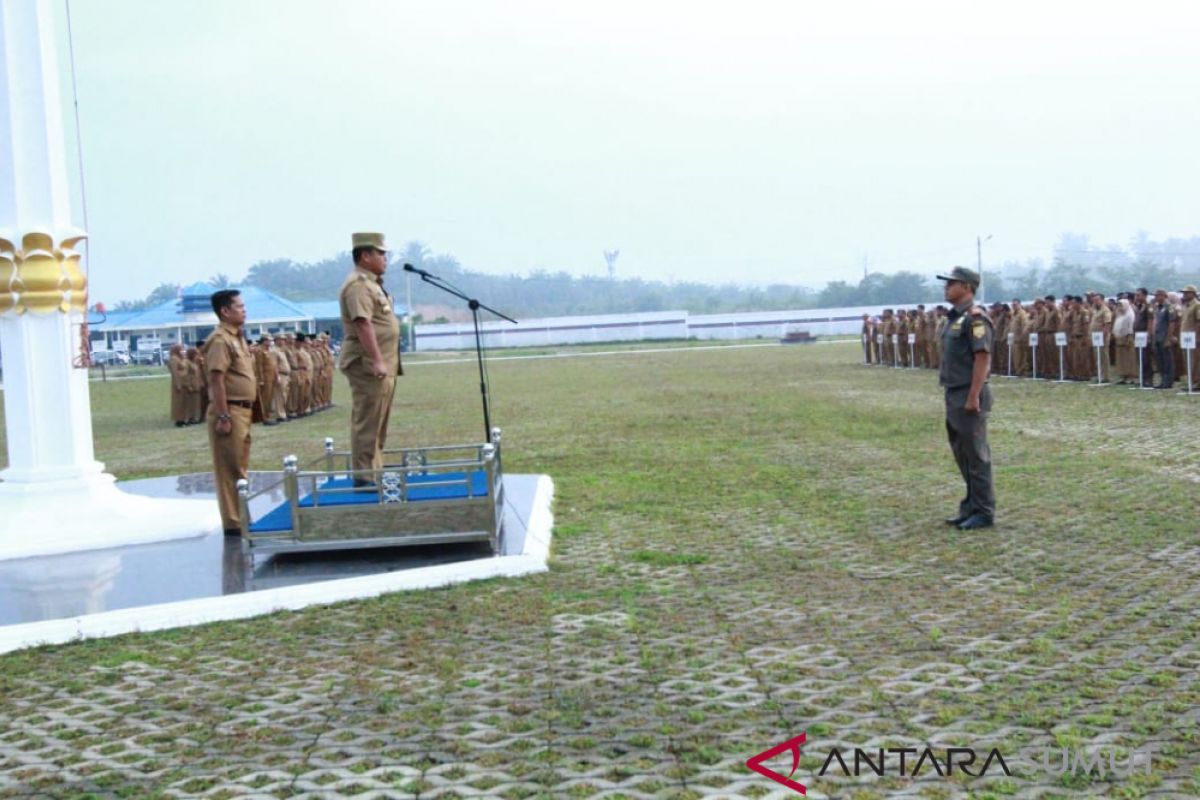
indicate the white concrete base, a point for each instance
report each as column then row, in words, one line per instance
column 87, row 512
column 532, row 559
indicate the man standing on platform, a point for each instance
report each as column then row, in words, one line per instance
column 232, row 386
column 966, row 361
column 370, row 356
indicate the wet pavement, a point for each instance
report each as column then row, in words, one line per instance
column 209, row 564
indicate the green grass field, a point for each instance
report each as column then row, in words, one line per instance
column 748, row 544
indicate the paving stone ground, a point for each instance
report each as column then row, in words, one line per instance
column 748, row 546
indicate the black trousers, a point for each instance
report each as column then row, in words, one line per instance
column 1166, row 362
column 969, row 444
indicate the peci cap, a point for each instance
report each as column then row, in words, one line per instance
column 376, row 240
column 962, row 274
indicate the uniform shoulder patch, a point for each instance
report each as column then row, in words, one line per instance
column 978, row 329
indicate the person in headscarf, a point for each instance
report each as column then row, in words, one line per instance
column 1122, row 332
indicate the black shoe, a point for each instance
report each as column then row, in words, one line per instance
column 180, row 424
column 268, row 424
column 361, row 483
column 975, row 521
column 233, row 531
column 956, row 521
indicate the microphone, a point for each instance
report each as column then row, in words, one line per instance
column 411, row 268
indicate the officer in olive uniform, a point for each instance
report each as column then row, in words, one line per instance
column 966, row 361
column 370, row 356
column 233, row 387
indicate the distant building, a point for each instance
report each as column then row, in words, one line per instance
column 189, row 319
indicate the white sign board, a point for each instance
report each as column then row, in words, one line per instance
column 1033, row 340
column 1140, row 339
column 148, row 343
column 912, row 338
column 121, row 346
column 1060, row 339
column 879, row 338
column 1097, row 338
column 1187, row 340
column 1012, row 337
column 99, row 346
column 895, row 338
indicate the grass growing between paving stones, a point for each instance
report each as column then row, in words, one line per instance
column 748, row 544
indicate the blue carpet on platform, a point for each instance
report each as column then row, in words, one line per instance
column 280, row 517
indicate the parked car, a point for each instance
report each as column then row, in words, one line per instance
column 109, row 357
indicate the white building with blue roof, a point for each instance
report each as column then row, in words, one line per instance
column 189, row 318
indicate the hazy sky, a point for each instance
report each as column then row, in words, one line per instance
column 738, row 141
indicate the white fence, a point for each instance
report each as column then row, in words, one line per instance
column 556, row 330
column 654, row 325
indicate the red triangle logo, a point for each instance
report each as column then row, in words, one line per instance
column 756, row 763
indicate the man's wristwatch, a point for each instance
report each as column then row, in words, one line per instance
column 224, row 418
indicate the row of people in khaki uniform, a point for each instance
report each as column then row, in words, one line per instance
column 189, row 395
column 1166, row 319
column 294, row 373
column 907, row 338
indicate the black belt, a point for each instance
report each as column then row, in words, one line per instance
column 241, row 403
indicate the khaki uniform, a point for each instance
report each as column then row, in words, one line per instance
column 1048, row 358
column 1019, row 328
column 362, row 297
column 930, row 325
column 178, row 368
column 1079, row 345
column 1000, row 342
column 888, row 327
column 226, row 352
column 293, row 399
column 195, row 387
column 917, row 325
column 268, row 380
column 304, row 393
column 1189, row 320
column 938, row 331
column 1101, row 322
column 283, row 379
column 901, row 328
column 866, row 335
column 326, row 358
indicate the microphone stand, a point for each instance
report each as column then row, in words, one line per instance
column 474, row 305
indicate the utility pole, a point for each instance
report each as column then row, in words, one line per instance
column 979, row 255
column 610, row 258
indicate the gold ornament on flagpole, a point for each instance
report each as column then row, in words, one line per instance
column 40, row 276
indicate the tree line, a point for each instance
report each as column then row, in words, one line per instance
column 1077, row 266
